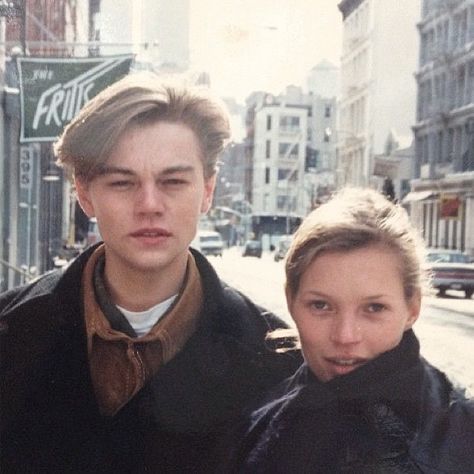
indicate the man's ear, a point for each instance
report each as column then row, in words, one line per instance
column 209, row 186
column 289, row 298
column 83, row 196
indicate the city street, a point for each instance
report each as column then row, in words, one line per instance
column 445, row 327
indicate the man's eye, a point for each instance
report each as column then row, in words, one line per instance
column 174, row 182
column 376, row 307
column 121, row 183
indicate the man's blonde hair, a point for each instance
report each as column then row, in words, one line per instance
column 136, row 100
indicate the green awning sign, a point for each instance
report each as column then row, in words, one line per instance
column 53, row 90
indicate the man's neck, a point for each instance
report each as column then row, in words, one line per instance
column 136, row 290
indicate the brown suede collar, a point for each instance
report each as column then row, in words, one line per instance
column 120, row 365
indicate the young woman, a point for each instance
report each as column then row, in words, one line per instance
column 364, row 401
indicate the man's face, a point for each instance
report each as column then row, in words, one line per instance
column 149, row 198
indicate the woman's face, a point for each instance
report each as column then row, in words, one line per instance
column 350, row 307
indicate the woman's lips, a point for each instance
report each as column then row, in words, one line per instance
column 344, row 365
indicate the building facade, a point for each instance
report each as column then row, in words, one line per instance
column 34, row 197
column 378, row 91
column 157, row 32
column 443, row 191
column 293, row 157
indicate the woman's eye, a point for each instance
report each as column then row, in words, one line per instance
column 320, row 305
column 376, row 307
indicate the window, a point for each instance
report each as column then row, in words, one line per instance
column 282, row 202
column 288, row 150
column 450, row 145
column 440, row 147
column 289, row 123
column 269, row 122
column 284, row 174
column 267, row 175
column 267, row 149
column 327, row 111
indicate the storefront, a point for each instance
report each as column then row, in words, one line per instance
column 443, row 210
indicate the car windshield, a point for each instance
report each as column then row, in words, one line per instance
column 210, row 238
column 441, row 257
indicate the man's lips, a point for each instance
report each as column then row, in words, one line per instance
column 151, row 233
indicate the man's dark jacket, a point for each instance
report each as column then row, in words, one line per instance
column 49, row 418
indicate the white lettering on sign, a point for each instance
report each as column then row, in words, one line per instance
column 42, row 75
column 61, row 102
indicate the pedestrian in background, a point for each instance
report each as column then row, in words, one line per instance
column 364, row 400
column 136, row 357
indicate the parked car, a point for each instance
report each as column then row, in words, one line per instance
column 282, row 247
column 451, row 270
column 252, row 248
column 208, row 242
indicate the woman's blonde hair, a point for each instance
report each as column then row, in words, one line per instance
column 140, row 99
column 355, row 218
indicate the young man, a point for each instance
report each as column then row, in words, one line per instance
column 135, row 358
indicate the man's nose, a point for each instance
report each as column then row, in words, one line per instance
column 150, row 199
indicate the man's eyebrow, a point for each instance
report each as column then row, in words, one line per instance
column 178, row 169
column 106, row 169
column 110, row 169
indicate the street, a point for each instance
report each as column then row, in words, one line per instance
column 445, row 327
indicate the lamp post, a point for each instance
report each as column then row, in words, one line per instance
column 50, row 178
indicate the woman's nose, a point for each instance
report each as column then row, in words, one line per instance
column 346, row 330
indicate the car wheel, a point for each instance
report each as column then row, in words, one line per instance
column 469, row 293
column 442, row 292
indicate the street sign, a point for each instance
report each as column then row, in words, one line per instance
column 450, row 206
column 53, row 90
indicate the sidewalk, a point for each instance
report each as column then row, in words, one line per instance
column 456, row 304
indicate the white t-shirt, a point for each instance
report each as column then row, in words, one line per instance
column 143, row 321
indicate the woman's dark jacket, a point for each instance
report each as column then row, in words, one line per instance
column 49, row 418
column 396, row 414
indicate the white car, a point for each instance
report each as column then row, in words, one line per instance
column 208, row 242
column 451, row 270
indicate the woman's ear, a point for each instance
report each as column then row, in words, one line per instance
column 83, row 196
column 414, row 308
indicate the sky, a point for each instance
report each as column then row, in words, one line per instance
column 249, row 45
